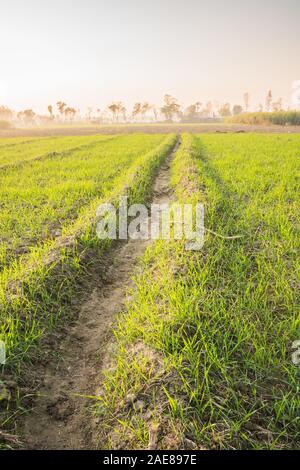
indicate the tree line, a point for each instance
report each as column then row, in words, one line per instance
column 142, row 111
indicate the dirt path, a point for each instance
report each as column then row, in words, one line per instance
column 60, row 419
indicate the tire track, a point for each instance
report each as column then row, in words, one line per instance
column 60, row 418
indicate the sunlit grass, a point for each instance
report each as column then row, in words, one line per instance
column 21, row 149
column 206, row 339
column 36, row 288
column 40, row 198
column 291, row 118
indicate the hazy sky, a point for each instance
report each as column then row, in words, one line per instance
column 90, row 52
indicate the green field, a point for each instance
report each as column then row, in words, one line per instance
column 205, row 340
column 280, row 118
column 40, row 198
column 43, row 203
column 17, row 151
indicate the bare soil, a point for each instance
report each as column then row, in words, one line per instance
column 60, row 417
column 158, row 128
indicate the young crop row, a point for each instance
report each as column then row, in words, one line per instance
column 12, row 141
column 290, row 118
column 204, row 351
column 14, row 152
column 36, row 289
column 39, row 199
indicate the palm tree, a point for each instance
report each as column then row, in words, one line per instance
column 50, row 111
column 198, row 106
column 61, row 107
column 114, row 110
column 136, row 109
column 70, row 112
column 121, row 110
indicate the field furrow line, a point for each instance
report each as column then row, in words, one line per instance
column 59, row 418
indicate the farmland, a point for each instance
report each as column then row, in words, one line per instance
column 200, row 355
column 45, row 201
column 20, row 150
column 57, row 187
column 279, row 118
column 205, row 344
column 240, row 123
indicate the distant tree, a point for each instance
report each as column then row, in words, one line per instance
column 122, row 110
column 190, row 111
column 237, row 109
column 260, row 108
column 73, row 112
column 113, row 108
column 277, row 105
column 225, row 110
column 5, row 113
column 50, row 111
column 41, row 118
column 268, row 101
column 70, row 113
column 27, row 116
column 198, row 106
column 116, row 109
column 61, row 107
column 246, row 101
column 89, row 112
column 155, row 113
column 137, row 109
column 193, row 110
column 207, row 110
column 170, row 108
column 146, row 107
